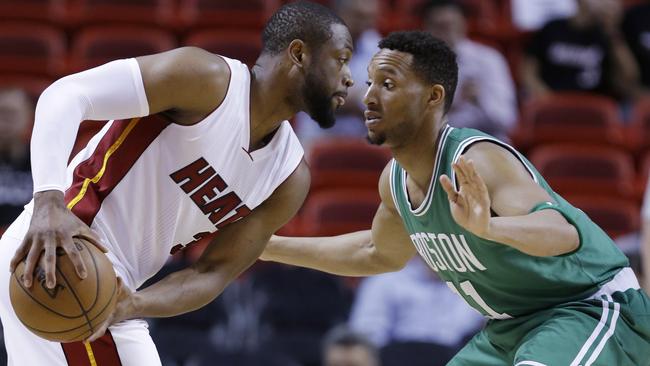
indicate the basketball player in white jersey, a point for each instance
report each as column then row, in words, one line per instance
column 219, row 155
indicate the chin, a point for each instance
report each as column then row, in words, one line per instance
column 376, row 139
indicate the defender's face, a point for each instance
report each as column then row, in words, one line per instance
column 328, row 79
column 396, row 99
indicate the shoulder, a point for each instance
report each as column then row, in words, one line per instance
column 495, row 163
column 385, row 186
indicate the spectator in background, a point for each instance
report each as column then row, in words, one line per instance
column 361, row 16
column 343, row 347
column 586, row 52
column 636, row 28
column 485, row 97
column 413, row 305
column 15, row 176
column 530, row 15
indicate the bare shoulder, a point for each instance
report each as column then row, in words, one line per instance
column 495, row 163
column 384, row 187
column 186, row 79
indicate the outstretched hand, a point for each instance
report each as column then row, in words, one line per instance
column 53, row 225
column 470, row 205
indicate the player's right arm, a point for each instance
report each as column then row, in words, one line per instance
column 384, row 248
column 187, row 82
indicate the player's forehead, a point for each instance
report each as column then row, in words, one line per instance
column 341, row 39
column 390, row 62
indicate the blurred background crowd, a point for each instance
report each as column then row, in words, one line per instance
column 567, row 82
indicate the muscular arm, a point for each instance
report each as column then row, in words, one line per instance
column 187, row 81
column 511, row 194
column 384, row 248
column 233, row 250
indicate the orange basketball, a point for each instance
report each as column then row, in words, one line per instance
column 74, row 308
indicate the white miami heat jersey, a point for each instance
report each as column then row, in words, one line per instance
column 149, row 187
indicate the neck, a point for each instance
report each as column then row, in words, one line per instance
column 270, row 101
column 418, row 157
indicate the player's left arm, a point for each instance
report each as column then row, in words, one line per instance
column 492, row 178
column 232, row 251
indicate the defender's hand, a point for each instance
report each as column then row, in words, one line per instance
column 470, row 205
column 53, row 225
column 123, row 310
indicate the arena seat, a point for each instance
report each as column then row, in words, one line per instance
column 244, row 45
column 250, row 14
column 614, row 215
column 333, row 212
column 639, row 127
column 94, row 46
column 569, row 117
column 33, row 85
column 145, row 12
column 31, row 48
column 586, row 169
column 40, row 10
column 346, row 163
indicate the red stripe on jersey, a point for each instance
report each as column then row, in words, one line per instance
column 118, row 150
column 103, row 352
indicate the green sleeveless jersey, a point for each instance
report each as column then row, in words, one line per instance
column 497, row 280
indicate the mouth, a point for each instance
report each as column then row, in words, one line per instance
column 372, row 117
column 339, row 97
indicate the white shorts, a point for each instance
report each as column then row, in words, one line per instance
column 127, row 343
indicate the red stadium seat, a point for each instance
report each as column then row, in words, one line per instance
column 93, row 12
column 97, row 45
column 346, row 163
column 336, row 212
column 31, row 48
column 570, row 117
column 586, row 169
column 639, row 130
column 614, row 215
column 244, row 45
column 41, row 10
column 226, row 13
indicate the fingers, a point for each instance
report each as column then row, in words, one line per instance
column 31, row 261
column 99, row 331
column 74, row 256
column 49, row 265
column 445, row 182
column 20, row 254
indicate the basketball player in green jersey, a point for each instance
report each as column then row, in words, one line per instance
column 557, row 290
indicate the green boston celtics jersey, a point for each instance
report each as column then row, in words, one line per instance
column 497, row 280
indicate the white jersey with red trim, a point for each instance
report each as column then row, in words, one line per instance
column 148, row 187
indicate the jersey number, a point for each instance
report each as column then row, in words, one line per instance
column 470, row 291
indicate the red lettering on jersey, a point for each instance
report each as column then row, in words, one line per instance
column 207, row 191
column 219, row 208
column 197, row 237
column 196, row 175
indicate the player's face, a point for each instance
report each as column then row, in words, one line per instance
column 328, row 79
column 396, row 99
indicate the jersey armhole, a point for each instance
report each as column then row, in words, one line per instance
column 554, row 206
column 393, row 171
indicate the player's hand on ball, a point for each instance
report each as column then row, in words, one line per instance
column 470, row 205
column 123, row 310
column 53, row 225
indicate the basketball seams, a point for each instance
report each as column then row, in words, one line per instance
column 71, row 329
column 74, row 293
column 37, row 301
column 97, row 282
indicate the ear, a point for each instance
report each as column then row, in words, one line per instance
column 298, row 53
column 437, row 95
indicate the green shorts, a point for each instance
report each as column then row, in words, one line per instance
column 613, row 330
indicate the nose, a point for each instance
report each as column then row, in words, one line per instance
column 369, row 98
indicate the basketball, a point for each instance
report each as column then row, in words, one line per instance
column 74, row 308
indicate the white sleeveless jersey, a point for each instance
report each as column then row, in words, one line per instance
column 149, row 187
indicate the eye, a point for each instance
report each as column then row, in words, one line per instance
column 389, row 85
column 344, row 60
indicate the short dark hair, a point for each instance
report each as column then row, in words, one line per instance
column 300, row 20
column 433, row 60
column 343, row 336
